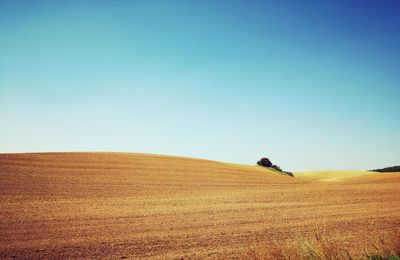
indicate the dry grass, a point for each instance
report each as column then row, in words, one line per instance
column 322, row 246
column 115, row 205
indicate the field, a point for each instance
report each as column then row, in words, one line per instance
column 119, row 205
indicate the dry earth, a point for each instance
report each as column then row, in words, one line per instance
column 116, row 205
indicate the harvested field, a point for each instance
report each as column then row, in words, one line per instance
column 119, row 205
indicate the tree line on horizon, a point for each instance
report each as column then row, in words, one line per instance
column 388, row 169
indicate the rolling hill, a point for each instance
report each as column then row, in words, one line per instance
column 332, row 175
column 120, row 205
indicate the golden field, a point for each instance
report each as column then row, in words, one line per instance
column 119, row 205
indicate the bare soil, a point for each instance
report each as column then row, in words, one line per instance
column 118, row 205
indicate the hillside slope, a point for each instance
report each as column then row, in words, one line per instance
column 111, row 174
column 118, row 205
column 331, row 175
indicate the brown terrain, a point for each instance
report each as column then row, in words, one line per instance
column 118, row 205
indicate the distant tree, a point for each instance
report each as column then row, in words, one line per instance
column 290, row 174
column 276, row 167
column 265, row 162
column 388, row 169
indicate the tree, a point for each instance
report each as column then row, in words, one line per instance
column 276, row 167
column 265, row 162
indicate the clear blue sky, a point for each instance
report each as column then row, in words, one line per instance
column 310, row 84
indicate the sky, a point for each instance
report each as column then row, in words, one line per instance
column 312, row 85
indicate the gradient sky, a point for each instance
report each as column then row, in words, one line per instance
column 310, row 84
